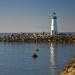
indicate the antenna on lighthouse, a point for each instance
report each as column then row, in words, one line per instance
column 54, row 24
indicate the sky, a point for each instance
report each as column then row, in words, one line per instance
column 35, row 15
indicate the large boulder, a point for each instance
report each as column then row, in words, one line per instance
column 69, row 69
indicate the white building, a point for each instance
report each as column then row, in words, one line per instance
column 54, row 24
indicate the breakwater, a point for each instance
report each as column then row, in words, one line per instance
column 37, row 37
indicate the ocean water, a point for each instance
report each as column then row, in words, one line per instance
column 16, row 58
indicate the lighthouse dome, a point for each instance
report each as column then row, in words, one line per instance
column 54, row 15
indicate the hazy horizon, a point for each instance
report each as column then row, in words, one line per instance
column 35, row 15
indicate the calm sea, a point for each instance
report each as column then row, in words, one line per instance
column 16, row 58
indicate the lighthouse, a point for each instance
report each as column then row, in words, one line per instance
column 54, row 24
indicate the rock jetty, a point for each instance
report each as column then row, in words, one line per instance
column 39, row 37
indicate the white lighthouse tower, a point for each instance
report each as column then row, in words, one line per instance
column 54, row 24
